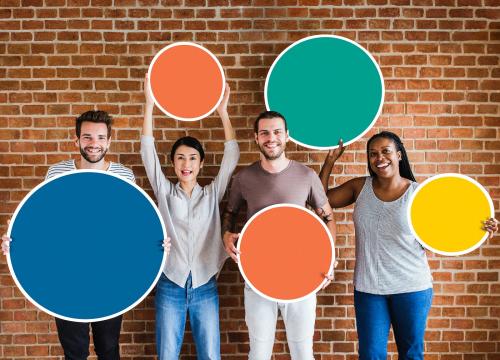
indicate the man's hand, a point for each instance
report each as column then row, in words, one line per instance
column 166, row 246
column 229, row 241
column 6, row 244
column 329, row 279
column 6, row 241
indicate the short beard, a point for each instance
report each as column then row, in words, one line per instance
column 269, row 157
column 85, row 156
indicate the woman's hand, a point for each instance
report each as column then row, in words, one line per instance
column 147, row 125
column 222, row 108
column 147, row 92
column 224, row 116
column 330, row 160
column 335, row 154
column 491, row 226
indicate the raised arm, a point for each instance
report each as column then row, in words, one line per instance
column 149, row 156
column 222, row 111
column 147, row 125
column 231, row 149
column 344, row 194
column 331, row 158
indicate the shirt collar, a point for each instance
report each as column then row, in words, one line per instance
column 197, row 188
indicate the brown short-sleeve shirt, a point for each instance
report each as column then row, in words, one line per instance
column 297, row 184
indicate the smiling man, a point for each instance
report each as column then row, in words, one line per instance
column 275, row 179
column 93, row 138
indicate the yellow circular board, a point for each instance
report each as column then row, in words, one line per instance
column 446, row 214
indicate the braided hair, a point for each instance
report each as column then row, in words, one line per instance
column 404, row 163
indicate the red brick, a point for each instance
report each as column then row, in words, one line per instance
column 438, row 59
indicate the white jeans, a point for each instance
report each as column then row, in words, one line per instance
column 261, row 315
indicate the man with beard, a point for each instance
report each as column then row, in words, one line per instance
column 93, row 137
column 273, row 180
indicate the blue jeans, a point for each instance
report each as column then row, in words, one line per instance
column 173, row 303
column 406, row 312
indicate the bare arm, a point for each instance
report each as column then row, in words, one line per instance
column 229, row 218
column 228, row 221
column 331, row 158
column 344, row 194
column 326, row 213
column 326, row 169
column 229, row 236
column 149, row 156
column 222, row 111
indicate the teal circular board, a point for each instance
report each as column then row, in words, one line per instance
column 328, row 88
column 86, row 245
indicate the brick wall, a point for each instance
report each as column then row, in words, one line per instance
column 440, row 61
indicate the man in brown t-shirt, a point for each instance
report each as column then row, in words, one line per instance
column 275, row 179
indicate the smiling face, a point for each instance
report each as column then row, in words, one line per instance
column 384, row 158
column 93, row 142
column 271, row 137
column 187, row 163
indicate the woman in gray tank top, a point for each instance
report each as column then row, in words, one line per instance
column 392, row 279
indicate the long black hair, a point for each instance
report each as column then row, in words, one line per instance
column 404, row 163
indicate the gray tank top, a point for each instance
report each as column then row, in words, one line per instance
column 389, row 260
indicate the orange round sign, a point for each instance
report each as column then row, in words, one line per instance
column 285, row 252
column 186, row 81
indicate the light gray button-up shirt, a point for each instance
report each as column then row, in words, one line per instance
column 193, row 223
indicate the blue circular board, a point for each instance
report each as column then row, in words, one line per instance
column 86, row 245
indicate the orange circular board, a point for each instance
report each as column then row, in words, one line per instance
column 285, row 252
column 186, row 81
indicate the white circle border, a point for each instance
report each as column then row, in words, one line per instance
column 185, row 43
column 379, row 111
column 67, row 173
column 332, row 248
column 420, row 187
